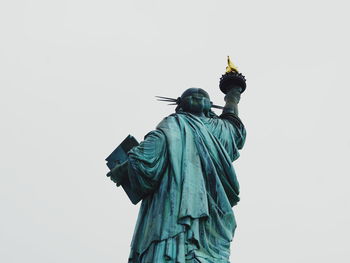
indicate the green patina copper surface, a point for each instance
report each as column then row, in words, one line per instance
column 183, row 173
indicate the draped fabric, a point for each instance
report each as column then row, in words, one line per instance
column 184, row 172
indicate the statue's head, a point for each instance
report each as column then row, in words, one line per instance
column 195, row 101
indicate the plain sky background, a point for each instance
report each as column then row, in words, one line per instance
column 76, row 77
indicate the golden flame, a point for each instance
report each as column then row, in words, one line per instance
column 230, row 66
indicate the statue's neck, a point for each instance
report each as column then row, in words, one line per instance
column 200, row 115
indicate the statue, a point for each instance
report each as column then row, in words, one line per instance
column 183, row 174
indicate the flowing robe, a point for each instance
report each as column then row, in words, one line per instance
column 183, row 171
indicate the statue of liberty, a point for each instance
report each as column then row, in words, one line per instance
column 183, row 174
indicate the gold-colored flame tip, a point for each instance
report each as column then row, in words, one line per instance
column 230, row 66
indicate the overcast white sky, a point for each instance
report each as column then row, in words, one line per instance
column 77, row 76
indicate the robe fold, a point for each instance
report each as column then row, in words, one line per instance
column 183, row 171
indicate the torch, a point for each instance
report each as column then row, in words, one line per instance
column 232, row 79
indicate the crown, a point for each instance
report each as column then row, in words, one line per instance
column 232, row 78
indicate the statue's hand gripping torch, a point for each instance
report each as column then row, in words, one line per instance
column 232, row 83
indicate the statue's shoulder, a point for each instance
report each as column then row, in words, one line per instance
column 173, row 121
column 169, row 120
